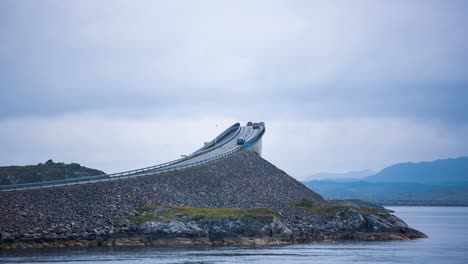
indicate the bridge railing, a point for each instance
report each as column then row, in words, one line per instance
column 118, row 176
column 220, row 137
column 185, row 166
column 258, row 136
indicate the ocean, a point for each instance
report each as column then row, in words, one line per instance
column 447, row 228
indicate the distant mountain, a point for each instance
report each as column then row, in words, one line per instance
column 445, row 172
column 391, row 193
column 343, row 175
column 48, row 171
column 437, row 182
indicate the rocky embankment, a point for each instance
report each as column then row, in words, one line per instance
column 172, row 209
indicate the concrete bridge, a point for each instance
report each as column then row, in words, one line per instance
column 225, row 144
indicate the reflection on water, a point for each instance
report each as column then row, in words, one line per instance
column 447, row 228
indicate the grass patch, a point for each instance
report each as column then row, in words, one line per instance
column 220, row 212
column 141, row 219
column 358, row 205
column 330, row 211
column 146, row 208
column 370, row 211
column 143, row 214
column 333, row 207
column 303, row 203
column 148, row 213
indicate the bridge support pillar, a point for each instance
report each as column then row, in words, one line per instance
column 257, row 147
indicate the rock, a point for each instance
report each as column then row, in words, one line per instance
column 99, row 241
column 396, row 221
column 279, row 229
column 376, row 223
column 7, row 238
column 349, row 219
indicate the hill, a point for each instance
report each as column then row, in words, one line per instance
column 238, row 200
column 440, row 182
column 47, row 171
column 445, row 172
column 339, row 176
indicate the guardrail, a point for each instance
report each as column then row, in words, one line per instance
column 235, row 127
column 217, row 142
column 157, row 169
column 258, row 136
column 85, row 180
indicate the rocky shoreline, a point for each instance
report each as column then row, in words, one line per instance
column 239, row 200
column 177, row 226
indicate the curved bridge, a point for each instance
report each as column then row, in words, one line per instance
column 223, row 145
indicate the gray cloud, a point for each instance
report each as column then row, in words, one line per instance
column 286, row 62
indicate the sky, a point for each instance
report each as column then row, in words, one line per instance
column 341, row 85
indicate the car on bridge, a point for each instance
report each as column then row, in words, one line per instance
column 255, row 126
column 240, row 141
column 249, row 123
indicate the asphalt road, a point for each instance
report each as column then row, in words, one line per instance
column 247, row 132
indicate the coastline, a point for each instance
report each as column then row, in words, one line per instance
column 238, row 200
column 447, row 229
column 184, row 226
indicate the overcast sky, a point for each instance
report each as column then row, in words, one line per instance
column 341, row 85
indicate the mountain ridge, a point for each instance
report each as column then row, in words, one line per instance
column 443, row 181
column 340, row 175
column 441, row 171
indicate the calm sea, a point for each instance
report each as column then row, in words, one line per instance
column 447, row 228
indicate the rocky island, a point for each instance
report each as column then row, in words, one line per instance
column 238, row 200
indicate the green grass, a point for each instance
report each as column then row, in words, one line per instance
column 146, row 208
column 330, row 210
column 145, row 213
column 141, row 219
column 303, row 203
column 221, row 212
column 327, row 211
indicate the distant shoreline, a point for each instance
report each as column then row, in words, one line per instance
column 421, row 203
